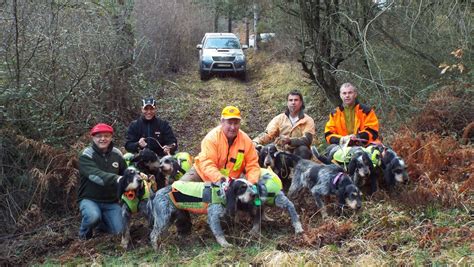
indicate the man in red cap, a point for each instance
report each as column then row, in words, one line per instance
column 100, row 165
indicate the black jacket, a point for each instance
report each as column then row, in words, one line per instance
column 99, row 172
column 157, row 132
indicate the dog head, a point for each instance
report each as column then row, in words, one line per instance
column 147, row 161
column 349, row 194
column 238, row 191
column 170, row 167
column 130, row 181
column 266, row 156
column 360, row 165
column 394, row 167
column 352, row 197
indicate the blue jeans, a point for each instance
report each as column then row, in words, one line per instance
column 108, row 216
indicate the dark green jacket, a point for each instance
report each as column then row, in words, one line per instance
column 99, row 172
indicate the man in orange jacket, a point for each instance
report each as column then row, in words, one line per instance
column 351, row 121
column 226, row 151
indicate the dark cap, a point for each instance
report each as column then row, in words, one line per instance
column 149, row 101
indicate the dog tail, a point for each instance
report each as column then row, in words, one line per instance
column 320, row 157
column 315, row 151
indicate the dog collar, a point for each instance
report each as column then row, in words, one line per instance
column 130, row 195
column 336, row 179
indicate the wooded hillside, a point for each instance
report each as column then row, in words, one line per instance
column 69, row 64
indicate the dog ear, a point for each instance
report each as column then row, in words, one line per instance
column 121, row 186
column 341, row 196
column 231, row 199
column 352, row 166
column 174, row 173
column 388, row 175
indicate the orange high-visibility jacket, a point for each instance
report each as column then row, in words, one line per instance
column 300, row 134
column 217, row 159
column 366, row 124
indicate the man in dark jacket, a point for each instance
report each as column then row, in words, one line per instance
column 150, row 131
column 100, row 166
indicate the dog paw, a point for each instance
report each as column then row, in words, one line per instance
column 124, row 244
column 324, row 214
column 298, row 228
column 221, row 240
column 255, row 231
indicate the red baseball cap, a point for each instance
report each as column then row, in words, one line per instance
column 102, row 128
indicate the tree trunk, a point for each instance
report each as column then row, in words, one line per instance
column 247, row 34
column 255, row 23
column 229, row 22
column 216, row 20
column 17, row 50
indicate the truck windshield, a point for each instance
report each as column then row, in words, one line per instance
column 222, row 43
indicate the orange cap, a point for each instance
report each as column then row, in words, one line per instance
column 230, row 112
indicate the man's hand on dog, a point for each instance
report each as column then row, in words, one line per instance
column 283, row 140
column 167, row 149
column 142, row 143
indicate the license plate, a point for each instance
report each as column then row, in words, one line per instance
column 225, row 65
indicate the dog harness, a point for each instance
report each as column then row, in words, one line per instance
column 128, row 159
column 375, row 155
column 185, row 162
column 195, row 196
column 272, row 183
column 343, row 155
column 130, row 197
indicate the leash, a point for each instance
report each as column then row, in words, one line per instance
column 162, row 147
column 284, row 173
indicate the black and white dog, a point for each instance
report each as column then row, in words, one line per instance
column 268, row 156
column 394, row 169
column 356, row 162
column 324, row 180
column 134, row 192
column 171, row 169
column 166, row 205
column 148, row 162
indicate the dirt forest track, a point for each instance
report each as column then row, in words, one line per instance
column 428, row 221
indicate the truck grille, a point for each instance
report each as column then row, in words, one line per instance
column 223, row 58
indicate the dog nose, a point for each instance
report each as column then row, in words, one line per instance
column 358, row 206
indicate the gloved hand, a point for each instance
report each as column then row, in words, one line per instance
column 345, row 139
column 144, row 176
